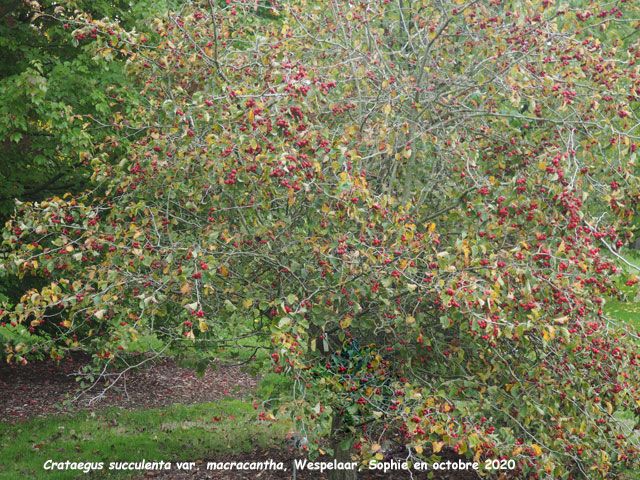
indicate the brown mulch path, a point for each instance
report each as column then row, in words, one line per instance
column 39, row 388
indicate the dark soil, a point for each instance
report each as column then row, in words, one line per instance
column 41, row 388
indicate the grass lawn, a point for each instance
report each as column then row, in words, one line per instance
column 626, row 312
column 175, row 433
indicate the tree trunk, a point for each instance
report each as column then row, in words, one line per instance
column 340, row 454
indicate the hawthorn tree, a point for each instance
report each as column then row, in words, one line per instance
column 416, row 207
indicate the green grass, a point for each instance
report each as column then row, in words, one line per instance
column 175, row 433
column 628, row 312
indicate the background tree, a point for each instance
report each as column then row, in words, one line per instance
column 59, row 101
column 415, row 207
column 50, row 91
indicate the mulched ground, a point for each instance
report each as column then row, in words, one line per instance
column 37, row 388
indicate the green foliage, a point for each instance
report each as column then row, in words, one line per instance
column 55, row 100
column 57, row 105
column 415, row 206
column 273, row 388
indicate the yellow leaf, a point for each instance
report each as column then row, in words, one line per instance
column 376, row 447
column 345, row 322
column 387, row 109
column 247, row 302
column 437, row 446
column 462, row 447
column 203, row 326
column 185, row 289
column 411, row 320
column 69, row 248
column 418, row 449
column 477, row 455
column 536, row 449
column 224, row 271
column 66, row 323
column 552, row 332
column 542, row 166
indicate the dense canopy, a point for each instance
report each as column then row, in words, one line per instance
column 416, row 208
